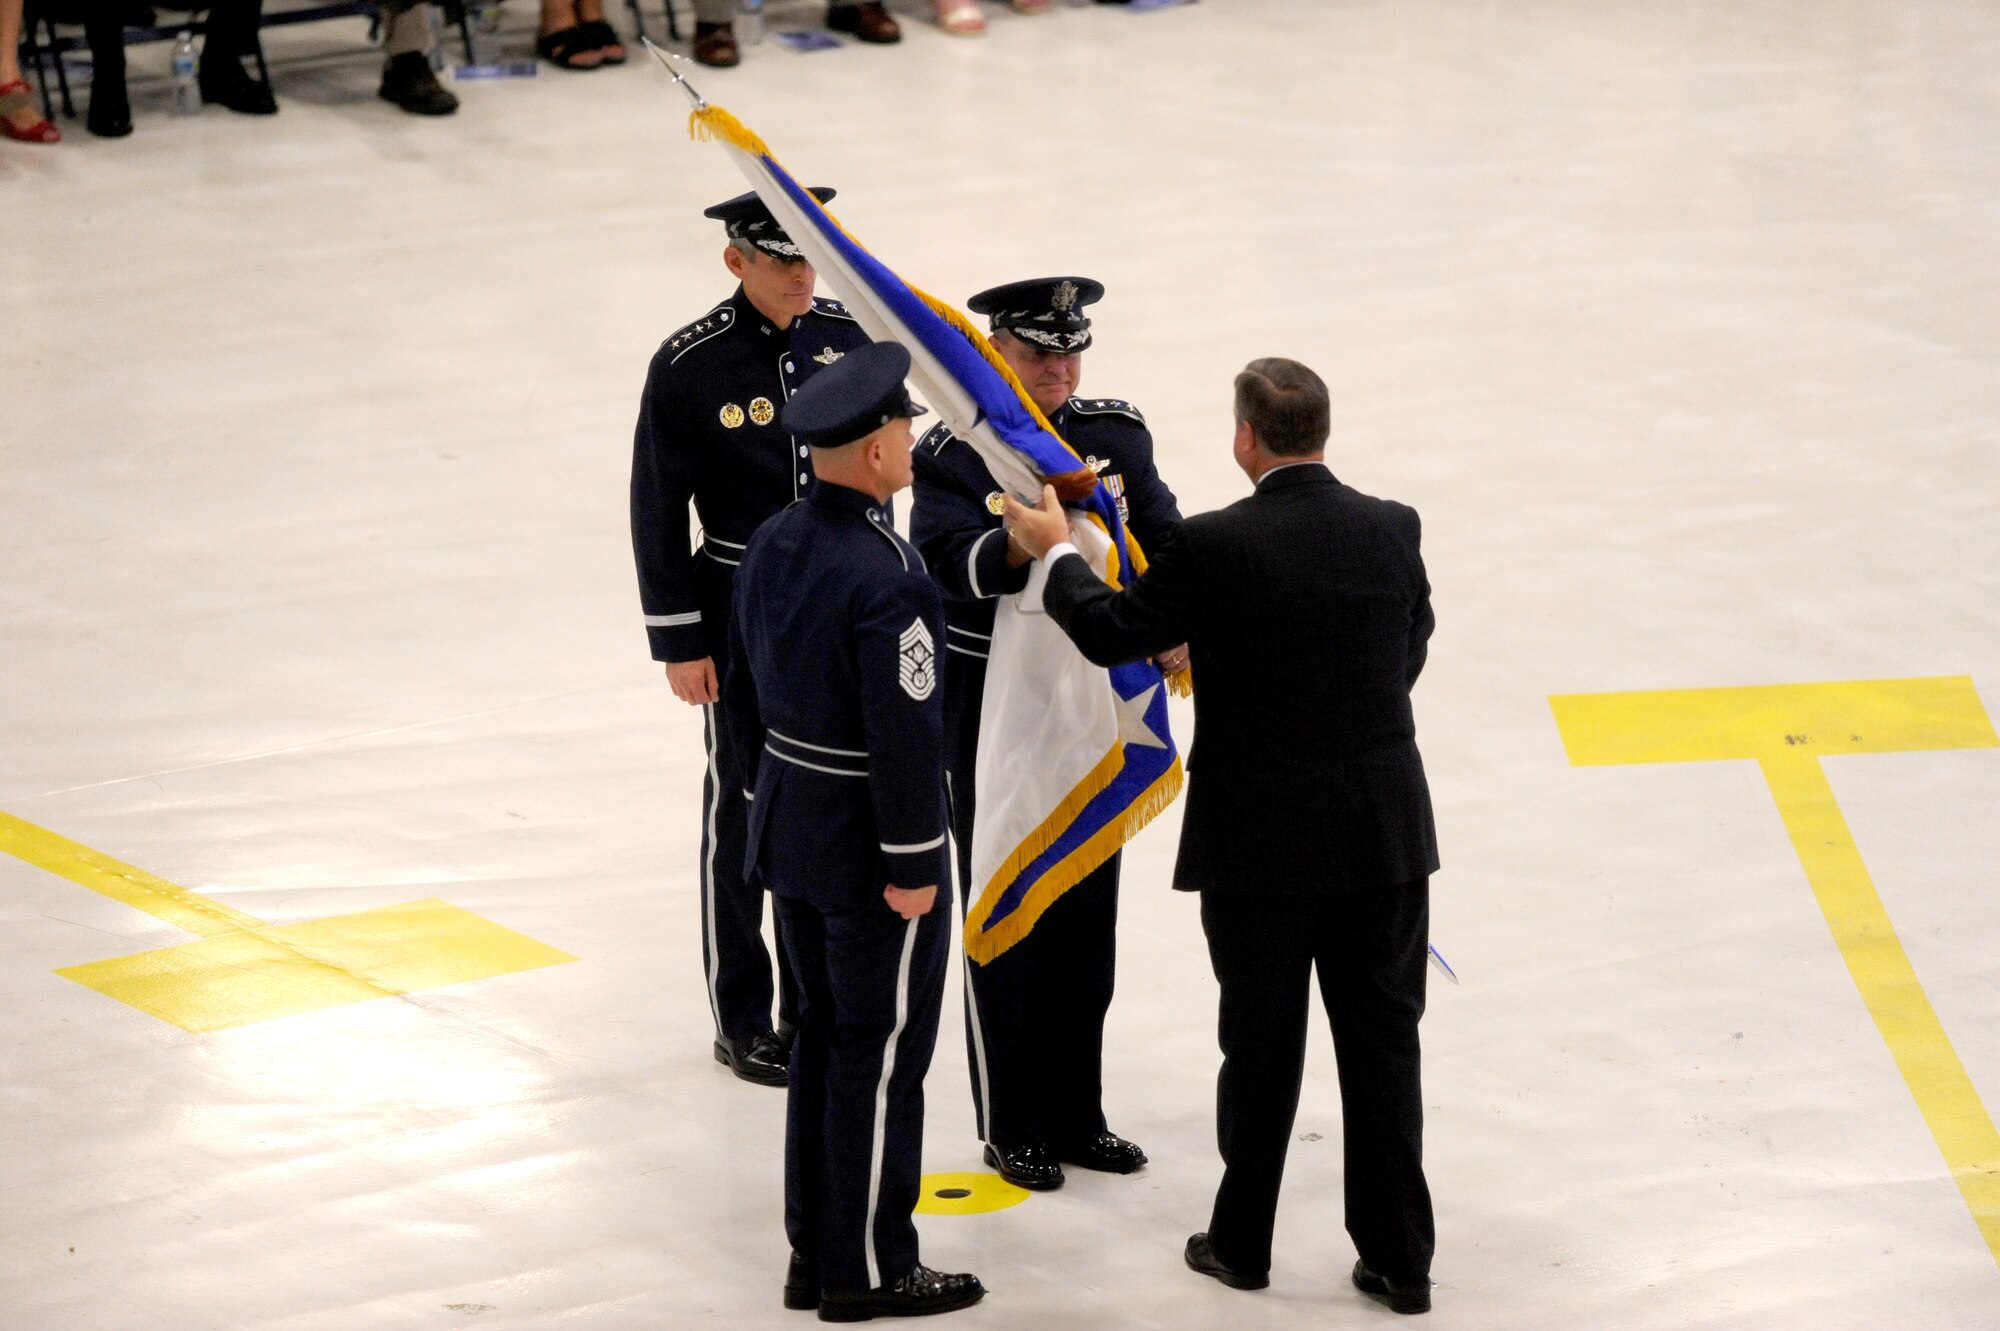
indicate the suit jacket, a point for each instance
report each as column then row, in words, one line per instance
column 1307, row 613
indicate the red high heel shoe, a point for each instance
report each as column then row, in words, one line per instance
column 15, row 98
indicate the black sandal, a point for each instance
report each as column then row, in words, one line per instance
column 562, row 48
column 606, row 37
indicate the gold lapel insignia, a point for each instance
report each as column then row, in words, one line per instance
column 996, row 503
column 829, row 356
column 732, row 415
column 761, row 410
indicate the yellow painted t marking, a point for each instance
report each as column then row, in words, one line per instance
column 245, row 970
column 1787, row 728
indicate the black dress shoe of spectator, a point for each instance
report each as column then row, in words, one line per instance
column 759, row 1058
column 868, row 22
column 110, row 114
column 801, row 1284
column 1402, row 1296
column 223, row 82
column 918, row 1294
column 408, row 82
column 1201, row 1257
column 1106, row 1152
column 1030, row 1167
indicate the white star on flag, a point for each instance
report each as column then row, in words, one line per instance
column 1132, row 727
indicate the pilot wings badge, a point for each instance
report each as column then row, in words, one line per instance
column 829, row 356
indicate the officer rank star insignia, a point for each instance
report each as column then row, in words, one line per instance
column 761, row 410
column 916, row 661
column 996, row 503
column 829, row 356
column 732, row 415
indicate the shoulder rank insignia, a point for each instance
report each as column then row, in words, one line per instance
column 761, row 410
column 936, row 437
column 732, row 415
column 821, row 305
column 829, row 356
column 1106, row 406
column 996, row 503
column 715, row 321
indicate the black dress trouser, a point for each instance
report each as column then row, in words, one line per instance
column 1034, row 1015
column 1369, row 948
column 871, row 986
column 736, row 965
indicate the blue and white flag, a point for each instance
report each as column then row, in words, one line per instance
column 1073, row 759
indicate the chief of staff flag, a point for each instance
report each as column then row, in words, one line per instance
column 1092, row 760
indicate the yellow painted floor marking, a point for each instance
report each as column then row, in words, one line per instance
column 966, row 1194
column 1787, row 729
column 246, row 971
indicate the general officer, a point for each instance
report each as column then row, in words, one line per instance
column 1309, row 831
column 709, row 431
column 1034, row 1014
column 832, row 698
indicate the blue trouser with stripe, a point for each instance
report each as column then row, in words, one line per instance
column 735, row 963
column 870, row 987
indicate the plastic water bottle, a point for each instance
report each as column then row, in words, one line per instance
column 484, row 16
column 750, row 20
column 187, row 95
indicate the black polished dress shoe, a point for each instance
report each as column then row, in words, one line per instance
column 223, row 82
column 1402, row 1296
column 801, row 1284
column 1030, row 1167
column 407, row 81
column 1201, row 1257
column 1107, row 1152
column 759, row 1058
column 918, row 1294
column 110, row 113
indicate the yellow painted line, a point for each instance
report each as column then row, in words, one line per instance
column 245, row 970
column 966, row 1194
column 120, row 881
column 1787, row 729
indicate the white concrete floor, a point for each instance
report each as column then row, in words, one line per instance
column 1679, row 324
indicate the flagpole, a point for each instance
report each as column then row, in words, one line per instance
column 667, row 61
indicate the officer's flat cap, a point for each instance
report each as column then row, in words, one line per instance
column 1046, row 312
column 852, row 398
column 746, row 218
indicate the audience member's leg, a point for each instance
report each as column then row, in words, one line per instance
column 407, row 79
column 562, row 40
column 714, row 37
column 18, row 116
column 110, row 114
column 1372, row 954
column 232, row 34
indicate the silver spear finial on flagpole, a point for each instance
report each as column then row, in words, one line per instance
column 667, row 61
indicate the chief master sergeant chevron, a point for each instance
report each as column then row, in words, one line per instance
column 831, row 694
column 709, row 431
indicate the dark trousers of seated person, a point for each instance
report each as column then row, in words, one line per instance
column 1369, row 948
column 231, row 31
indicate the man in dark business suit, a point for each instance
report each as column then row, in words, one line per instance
column 1308, row 828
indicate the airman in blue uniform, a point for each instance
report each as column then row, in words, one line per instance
column 832, row 696
column 709, row 431
column 1034, row 1014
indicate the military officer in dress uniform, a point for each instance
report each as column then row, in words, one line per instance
column 832, row 697
column 1034, row 1014
column 709, row 431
